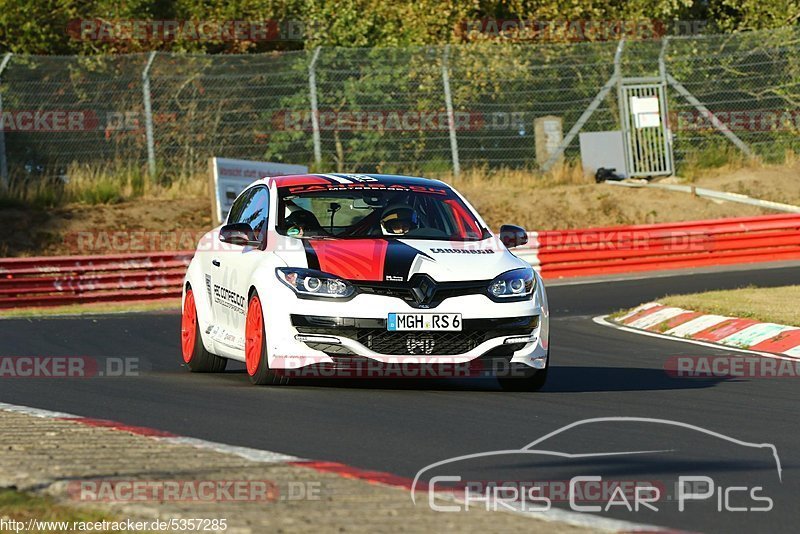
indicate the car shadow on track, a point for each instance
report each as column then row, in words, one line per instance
column 582, row 379
column 570, row 379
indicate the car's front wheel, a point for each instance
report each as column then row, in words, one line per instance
column 255, row 346
column 195, row 355
column 531, row 379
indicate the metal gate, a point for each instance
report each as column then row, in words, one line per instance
column 645, row 130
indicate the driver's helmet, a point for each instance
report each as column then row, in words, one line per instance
column 300, row 222
column 302, row 218
column 399, row 220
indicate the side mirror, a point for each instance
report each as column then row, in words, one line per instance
column 238, row 234
column 513, row 236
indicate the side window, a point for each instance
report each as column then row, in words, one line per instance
column 238, row 205
column 252, row 208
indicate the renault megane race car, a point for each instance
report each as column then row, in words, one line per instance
column 332, row 271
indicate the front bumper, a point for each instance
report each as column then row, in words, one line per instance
column 306, row 333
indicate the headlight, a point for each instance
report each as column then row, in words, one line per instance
column 310, row 283
column 513, row 285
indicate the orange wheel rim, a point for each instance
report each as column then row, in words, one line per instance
column 254, row 336
column 188, row 327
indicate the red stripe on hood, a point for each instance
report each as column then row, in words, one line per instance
column 352, row 259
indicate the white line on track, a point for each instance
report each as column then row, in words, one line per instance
column 255, row 455
column 36, row 412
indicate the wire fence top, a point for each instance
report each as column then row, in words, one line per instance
column 386, row 109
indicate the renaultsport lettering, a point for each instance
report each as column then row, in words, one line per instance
column 461, row 251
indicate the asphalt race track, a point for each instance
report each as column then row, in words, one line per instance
column 401, row 426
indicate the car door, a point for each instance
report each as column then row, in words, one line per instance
column 234, row 266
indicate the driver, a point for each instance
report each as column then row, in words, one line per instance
column 399, row 220
column 302, row 223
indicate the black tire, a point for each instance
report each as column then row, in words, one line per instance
column 263, row 375
column 534, row 379
column 201, row 361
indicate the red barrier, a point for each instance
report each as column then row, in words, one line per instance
column 60, row 280
column 86, row 282
column 106, row 296
column 624, row 249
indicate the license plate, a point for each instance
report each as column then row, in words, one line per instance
column 424, row 322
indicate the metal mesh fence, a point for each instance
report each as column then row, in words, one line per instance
column 749, row 81
column 223, row 106
column 512, row 86
column 386, row 109
column 60, row 110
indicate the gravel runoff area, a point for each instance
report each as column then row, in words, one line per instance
column 55, row 456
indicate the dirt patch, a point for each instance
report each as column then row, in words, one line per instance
column 135, row 226
column 778, row 183
column 582, row 206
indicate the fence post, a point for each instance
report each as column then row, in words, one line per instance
column 148, row 115
column 448, row 102
column 312, row 88
column 662, row 58
column 587, row 113
column 662, row 71
column 3, row 160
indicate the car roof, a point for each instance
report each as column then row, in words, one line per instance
column 342, row 178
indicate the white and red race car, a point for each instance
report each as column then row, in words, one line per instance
column 342, row 272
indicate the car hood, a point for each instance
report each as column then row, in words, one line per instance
column 397, row 260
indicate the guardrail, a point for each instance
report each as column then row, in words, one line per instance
column 52, row 281
column 622, row 249
column 58, row 280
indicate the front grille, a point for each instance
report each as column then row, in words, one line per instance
column 372, row 334
column 437, row 291
column 420, row 343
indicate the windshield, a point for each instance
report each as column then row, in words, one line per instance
column 376, row 210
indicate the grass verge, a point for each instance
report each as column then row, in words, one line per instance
column 98, row 185
column 766, row 304
column 95, row 308
column 24, row 507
